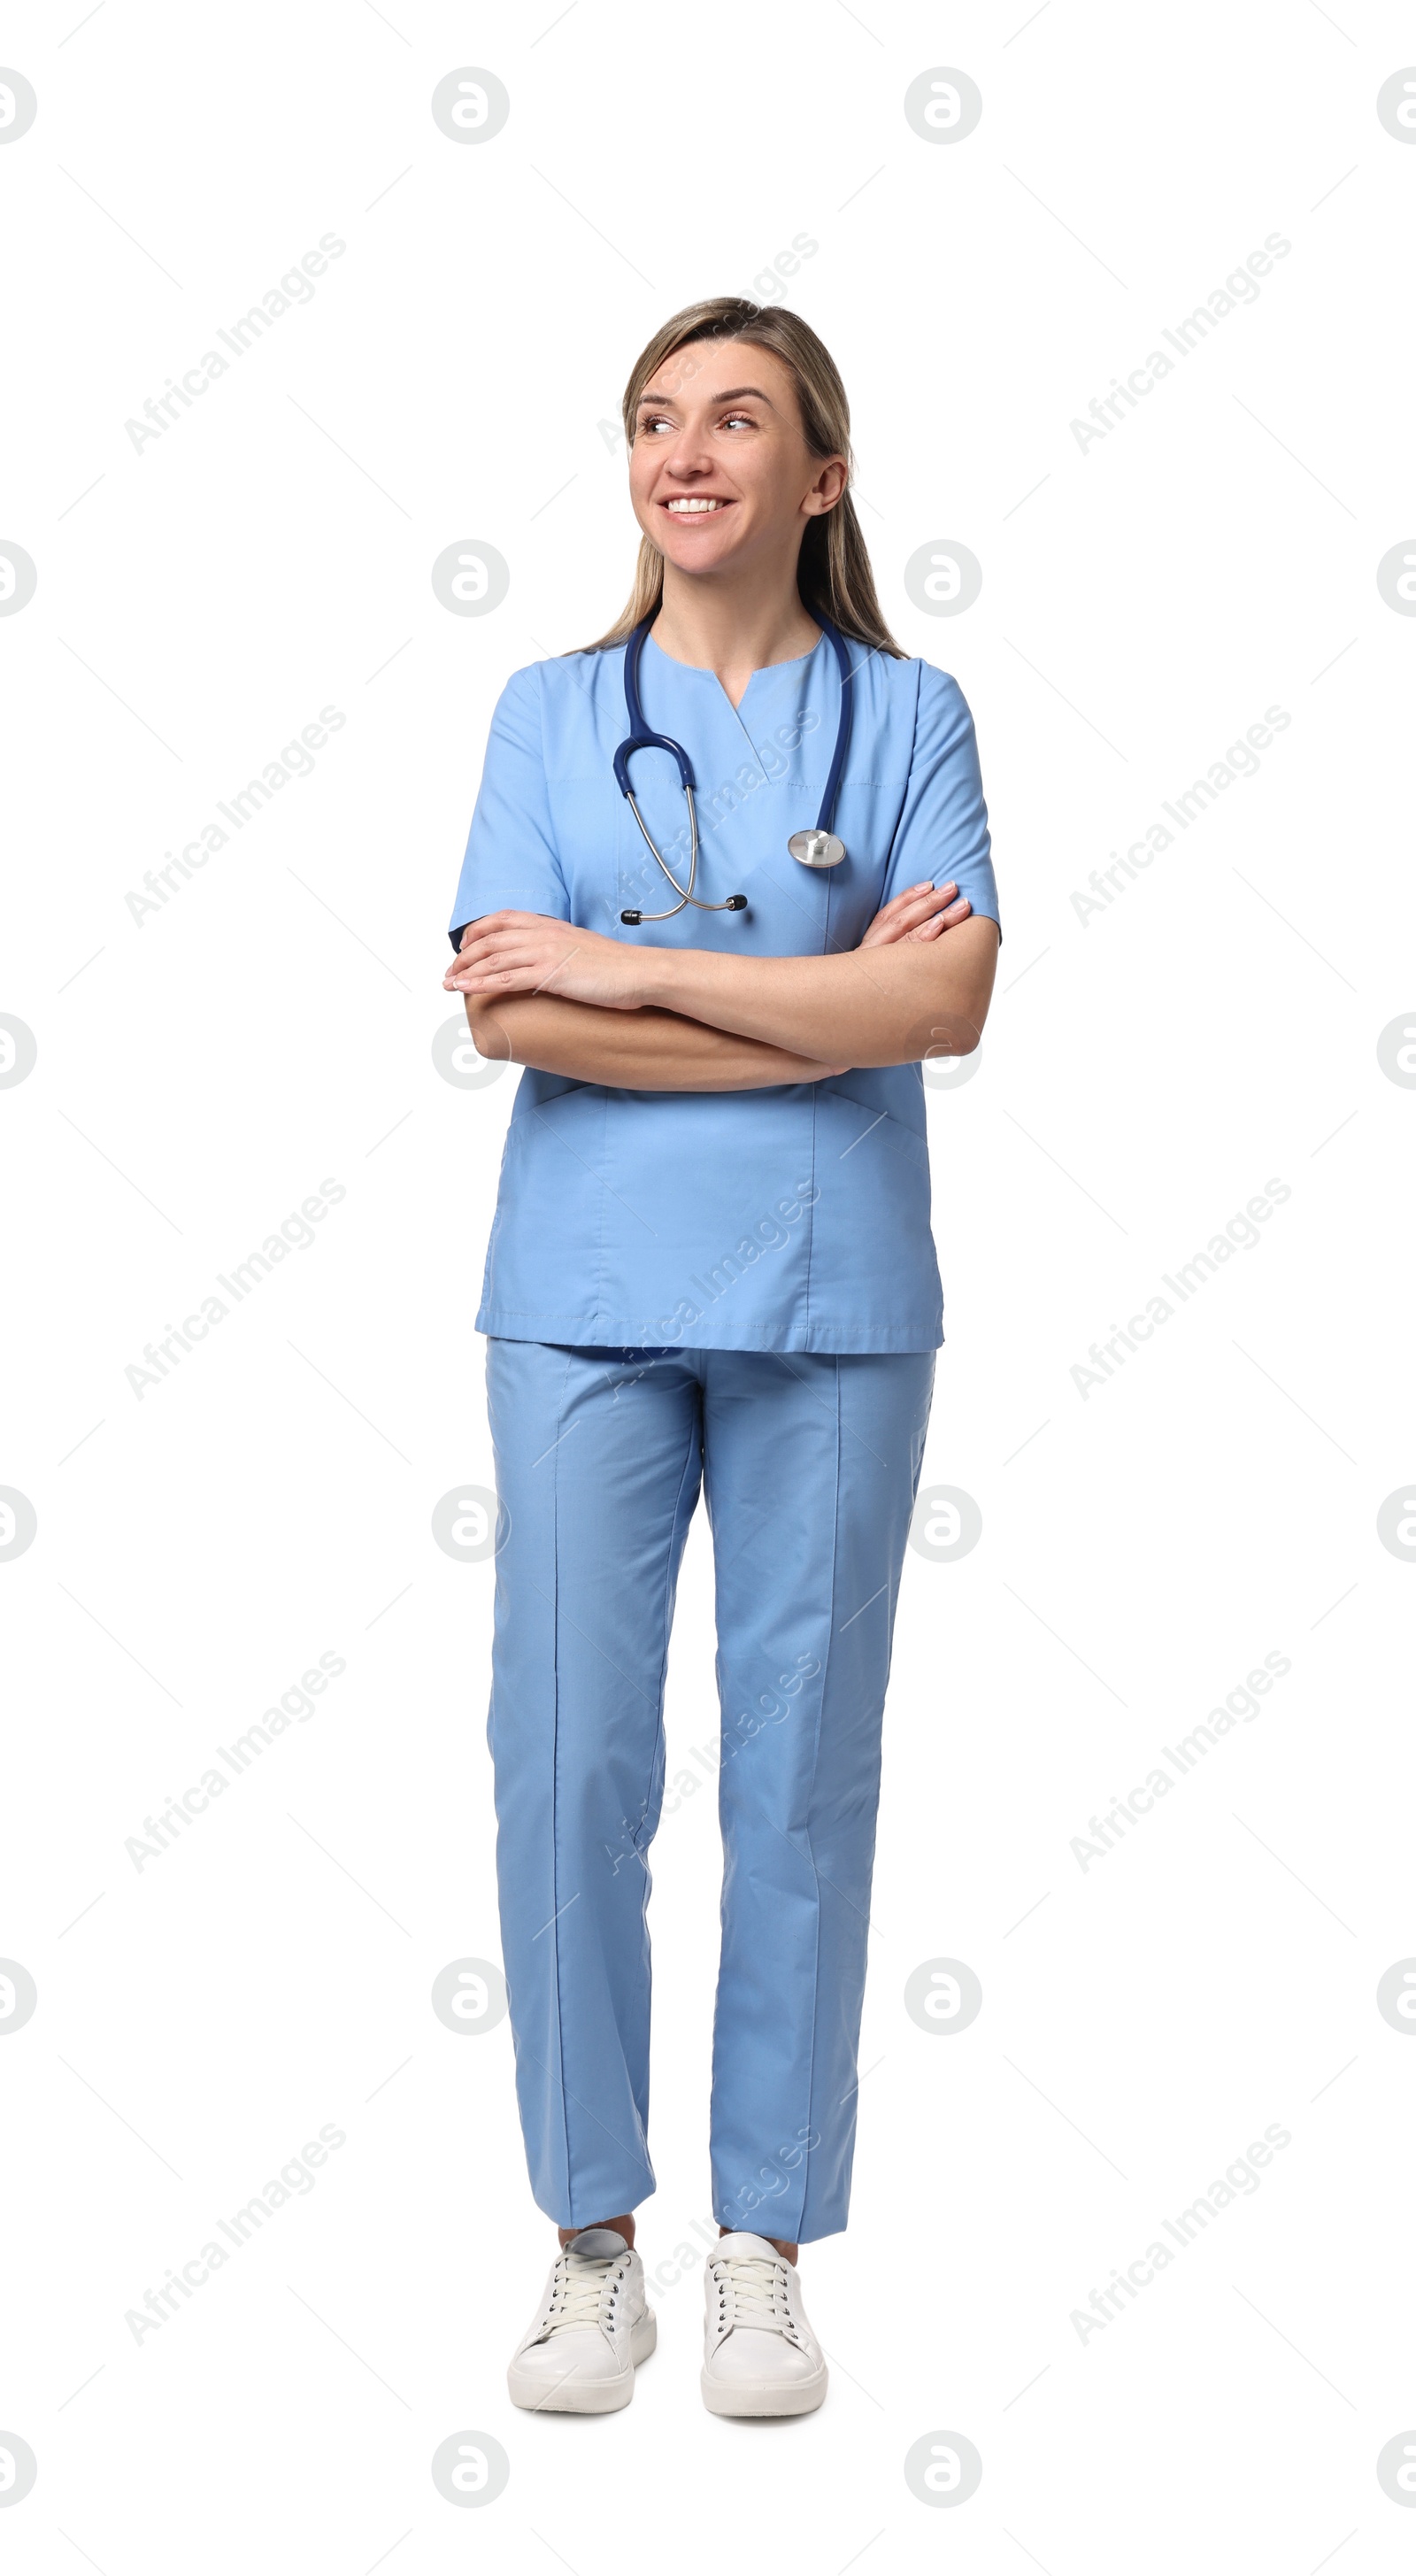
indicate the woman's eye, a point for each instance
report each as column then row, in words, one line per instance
column 739, row 420
column 655, row 421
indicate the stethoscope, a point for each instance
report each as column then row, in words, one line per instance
column 815, row 849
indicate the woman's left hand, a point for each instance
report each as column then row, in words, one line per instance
column 920, row 913
column 527, row 952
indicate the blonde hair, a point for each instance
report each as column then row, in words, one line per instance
column 834, row 576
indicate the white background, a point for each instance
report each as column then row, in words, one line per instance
column 1145, row 1074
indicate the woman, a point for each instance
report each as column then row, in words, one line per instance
column 711, row 1260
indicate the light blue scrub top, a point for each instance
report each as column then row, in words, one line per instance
column 790, row 1219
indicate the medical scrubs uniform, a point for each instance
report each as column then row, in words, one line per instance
column 732, row 1291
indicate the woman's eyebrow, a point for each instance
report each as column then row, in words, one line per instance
column 735, row 393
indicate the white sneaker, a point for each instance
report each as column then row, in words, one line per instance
column 578, row 2354
column 760, row 2356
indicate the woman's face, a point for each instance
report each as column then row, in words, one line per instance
column 720, row 474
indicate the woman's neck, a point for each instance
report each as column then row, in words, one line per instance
column 734, row 630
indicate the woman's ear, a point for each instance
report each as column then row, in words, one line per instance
column 827, row 489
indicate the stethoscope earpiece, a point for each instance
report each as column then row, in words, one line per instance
column 819, row 848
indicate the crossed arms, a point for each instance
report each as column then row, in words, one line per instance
column 544, row 993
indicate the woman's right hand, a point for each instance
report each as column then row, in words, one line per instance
column 921, row 913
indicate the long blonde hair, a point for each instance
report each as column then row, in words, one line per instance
column 833, row 572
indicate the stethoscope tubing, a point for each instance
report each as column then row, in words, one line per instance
column 735, row 903
column 640, row 739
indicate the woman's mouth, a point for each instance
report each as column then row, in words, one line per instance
column 696, row 506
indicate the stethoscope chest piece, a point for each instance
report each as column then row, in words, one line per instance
column 817, row 849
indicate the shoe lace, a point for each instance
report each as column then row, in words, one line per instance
column 758, row 2284
column 578, row 2290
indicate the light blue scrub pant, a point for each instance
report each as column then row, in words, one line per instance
column 810, row 1465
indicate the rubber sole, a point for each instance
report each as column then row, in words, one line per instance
column 764, row 2396
column 573, row 2396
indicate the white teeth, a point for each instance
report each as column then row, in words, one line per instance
column 682, row 507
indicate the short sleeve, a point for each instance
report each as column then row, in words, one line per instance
column 511, row 863
column 942, row 833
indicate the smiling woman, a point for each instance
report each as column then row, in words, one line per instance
column 756, row 452
column 712, row 1264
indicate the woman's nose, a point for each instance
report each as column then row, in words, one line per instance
column 688, row 459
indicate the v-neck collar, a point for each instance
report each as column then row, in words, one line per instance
column 697, row 671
